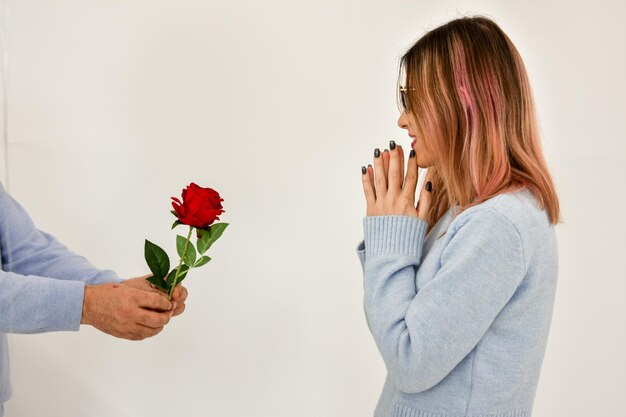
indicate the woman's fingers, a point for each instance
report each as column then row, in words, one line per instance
column 410, row 182
column 423, row 205
column 367, row 177
column 387, row 176
column 394, row 177
column 385, row 157
column 380, row 180
column 401, row 156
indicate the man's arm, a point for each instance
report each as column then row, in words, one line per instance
column 43, row 286
column 27, row 250
column 34, row 304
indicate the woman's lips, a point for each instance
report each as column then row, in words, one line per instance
column 413, row 143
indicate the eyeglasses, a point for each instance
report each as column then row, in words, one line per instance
column 404, row 99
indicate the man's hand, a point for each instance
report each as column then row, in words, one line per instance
column 126, row 312
column 178, row 298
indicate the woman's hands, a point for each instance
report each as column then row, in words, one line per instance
column 388, row 191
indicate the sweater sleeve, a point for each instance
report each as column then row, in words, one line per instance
column 422, row 335
column 35, row 304
column 42, row 282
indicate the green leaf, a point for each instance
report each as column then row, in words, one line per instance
column 157, row 259
column 183, row 273
column 159, row 282
column 190, row 257
column 210, row 235
column 174, row 213
column 176, row 223
column 202, row 261
column 180, row 244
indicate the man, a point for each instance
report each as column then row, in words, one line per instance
column 44, row 287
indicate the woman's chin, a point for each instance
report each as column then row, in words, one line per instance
column 424, row 163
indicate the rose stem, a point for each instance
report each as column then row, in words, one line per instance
column 180, row 263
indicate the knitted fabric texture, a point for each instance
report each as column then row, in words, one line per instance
column 461, row 317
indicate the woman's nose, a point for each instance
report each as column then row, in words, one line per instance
column 402, row 122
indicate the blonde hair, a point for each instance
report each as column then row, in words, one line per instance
column 469, row 94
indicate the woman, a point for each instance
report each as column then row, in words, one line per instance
column 459, row 291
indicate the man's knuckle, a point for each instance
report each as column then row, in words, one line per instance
column 133, row 297
column 125, row 310
column 145, row 318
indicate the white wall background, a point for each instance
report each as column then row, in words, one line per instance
column 114, row 106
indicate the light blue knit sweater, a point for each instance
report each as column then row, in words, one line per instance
column 41, row 283
column 461, row 317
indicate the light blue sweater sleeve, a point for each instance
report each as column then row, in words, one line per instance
column 42, row 281
column 422, row 335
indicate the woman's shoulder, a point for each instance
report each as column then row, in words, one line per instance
column 521, row 208
column 517, row 212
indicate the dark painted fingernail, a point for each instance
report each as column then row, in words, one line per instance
column 376, row 153
column 386, row 150
column 392, row 145
column 412, row 154
column 369, row 165
column 429, row 186
column 363, row 170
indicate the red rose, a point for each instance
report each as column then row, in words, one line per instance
column 200, row 206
